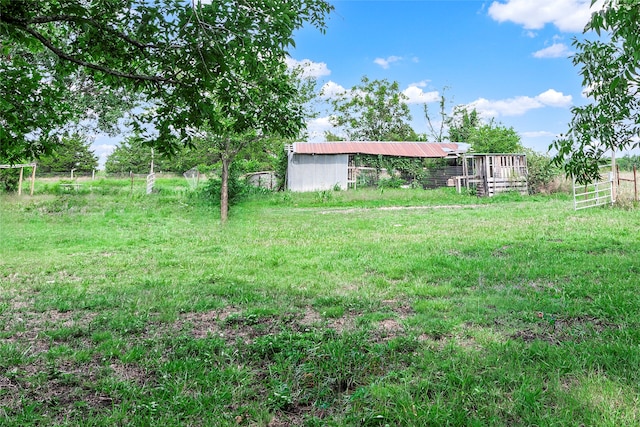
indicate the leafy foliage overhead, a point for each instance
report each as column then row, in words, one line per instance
column 610, row 73
column 220, row 63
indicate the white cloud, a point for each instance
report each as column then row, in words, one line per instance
column 102, row 149
column 553, row 98
column 317, row 127
column 417, row 96
column 332, row 89
column 386, row 63
column 506, row 107
column 556, row 50
column 539, row 134
column 309, row 68
column 421, row 83
column 566, row 15
column 521, row 104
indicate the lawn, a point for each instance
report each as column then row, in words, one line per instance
column 360, row 308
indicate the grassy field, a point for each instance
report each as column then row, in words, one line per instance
column 361, row 308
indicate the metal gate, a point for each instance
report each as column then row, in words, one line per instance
column 597, row 193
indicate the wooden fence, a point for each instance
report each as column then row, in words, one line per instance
column 628, row 183
column 499, row 173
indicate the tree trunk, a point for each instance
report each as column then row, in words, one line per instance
column 224, row 190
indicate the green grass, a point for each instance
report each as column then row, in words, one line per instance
column 334, row 308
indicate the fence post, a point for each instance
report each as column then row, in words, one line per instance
column 33, row 177
column 20, row 181
column 635, row 183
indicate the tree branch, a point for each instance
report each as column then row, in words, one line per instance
column 62, row 55
column 94, row 23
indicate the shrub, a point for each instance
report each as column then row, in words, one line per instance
column 542, row 175
column 392, row 182
column 9, row 179
column 281, row 165
column 236, row 190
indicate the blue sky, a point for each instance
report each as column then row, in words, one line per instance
column 507, row 58
column 510, row 59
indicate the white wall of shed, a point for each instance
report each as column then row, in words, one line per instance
column 317, row 172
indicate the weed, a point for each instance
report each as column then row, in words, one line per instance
column 324, row 196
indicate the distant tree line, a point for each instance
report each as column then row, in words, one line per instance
column 134, row 155
column 627, row 162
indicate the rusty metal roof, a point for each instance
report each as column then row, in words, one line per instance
column 398, row 149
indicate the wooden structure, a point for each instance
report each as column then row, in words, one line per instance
column 33, row 167
column 633, row 180
column 499, row 173
column 495, row 173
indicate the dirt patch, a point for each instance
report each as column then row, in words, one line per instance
column 205, row 324
column 296, row 415
column 390, row 325
column 564, row 329
column 66, row 390
column 399, row 208
column 401, row 309
column 131, row 373
column 232, row 325
column 341, row 324
column 389, row 329
column 310, row 317
column 37, row 330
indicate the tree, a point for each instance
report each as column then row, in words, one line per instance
column 494, row 138
column 332, row 137
column 610, row 74
column 41, row 99
column 375, row 110
column 71, row 153
column 437, row 128
column 134, row 155
column 218, row 66
column 462, row 124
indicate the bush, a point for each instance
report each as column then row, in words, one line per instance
column 9, row 179
column 281, row 164
column 236, row 187
column 542, row 175
column 393, row 182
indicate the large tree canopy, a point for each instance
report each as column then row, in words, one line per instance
column 494, row 137
column 610, row 69
column 220, row 63
column 375, row 110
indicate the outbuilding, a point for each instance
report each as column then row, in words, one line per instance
column 314, row 166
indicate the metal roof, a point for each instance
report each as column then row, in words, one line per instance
column 398, row 149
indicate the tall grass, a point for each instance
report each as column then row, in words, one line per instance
column 394, row 307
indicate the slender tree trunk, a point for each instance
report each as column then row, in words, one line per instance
column 224, row 190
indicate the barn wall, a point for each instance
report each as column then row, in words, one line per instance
column 317, row 172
